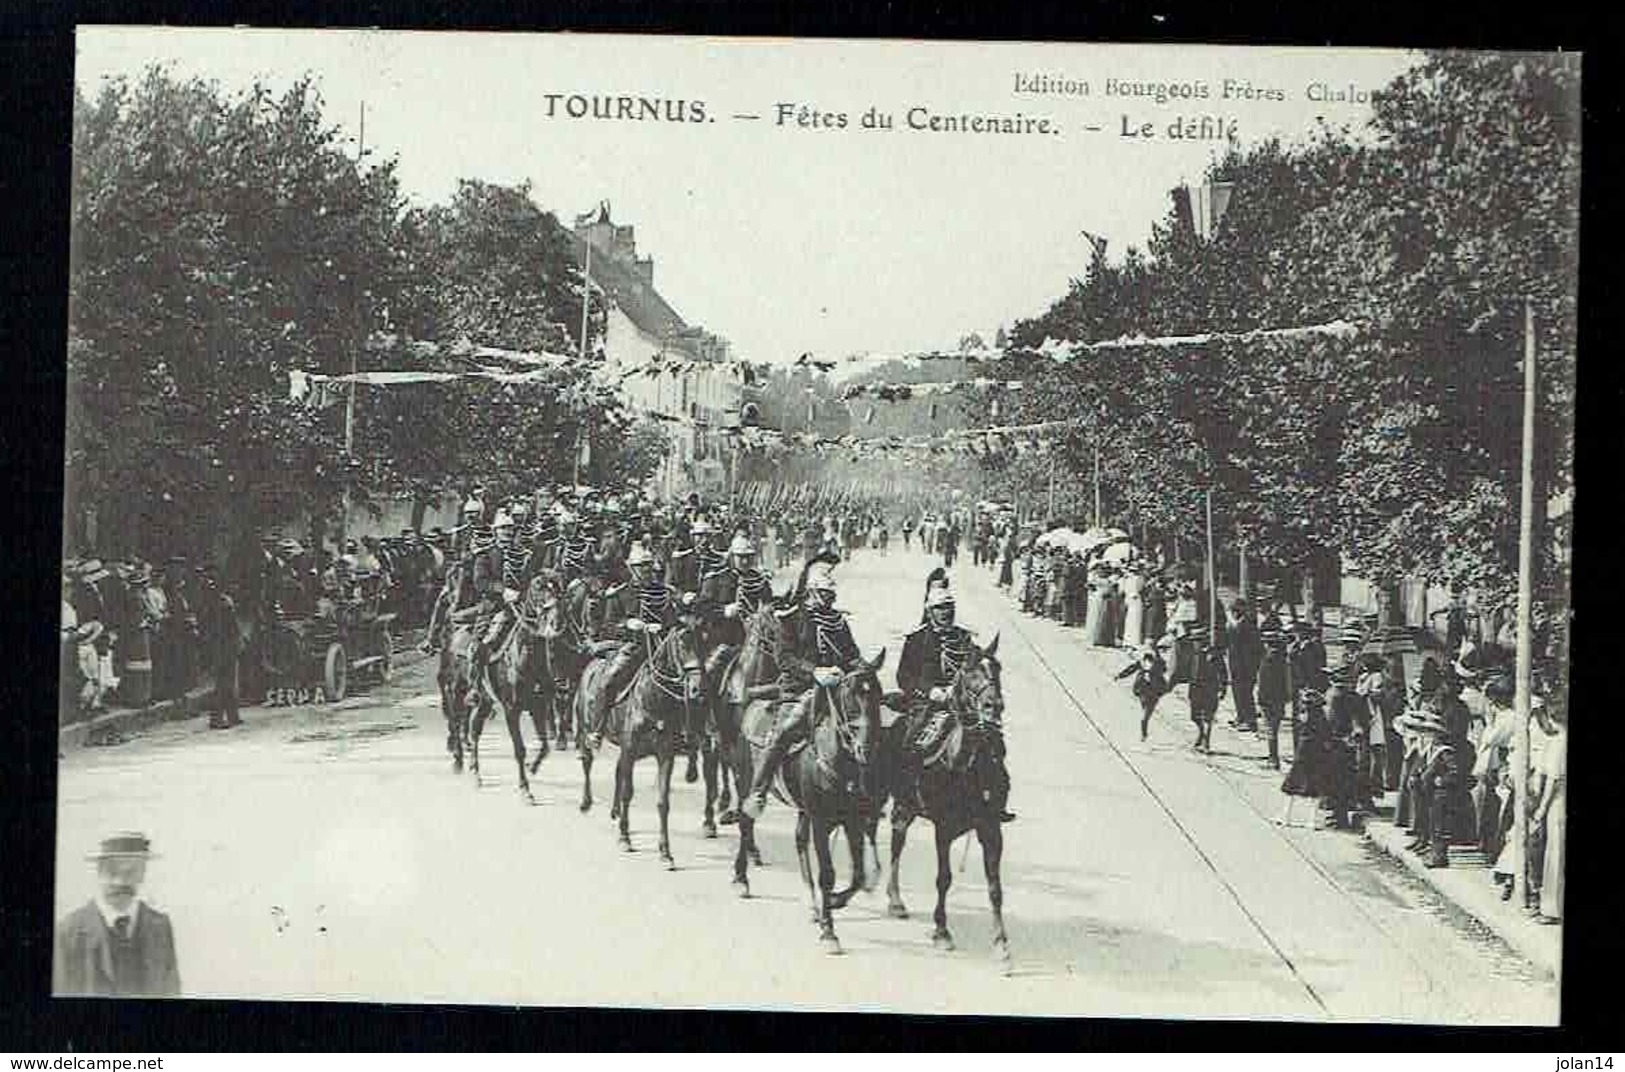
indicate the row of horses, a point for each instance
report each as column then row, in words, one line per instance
column 694, row 694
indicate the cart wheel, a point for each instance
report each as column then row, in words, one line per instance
column 337, row 673
column 384, row 662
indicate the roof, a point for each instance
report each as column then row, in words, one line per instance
column 641, row 302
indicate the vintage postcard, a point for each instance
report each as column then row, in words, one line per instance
column 934, row 527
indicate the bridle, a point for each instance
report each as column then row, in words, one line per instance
column 848, row 733
column 985, row 699
column 669, row 675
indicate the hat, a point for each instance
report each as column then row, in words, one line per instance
column 566, row 514
column 123, row 844
column 937, row 593
column 742, row 545
column 503, row 520
column 639, row 555
column 1500, row 688
column 821, row 578
column 700, row 526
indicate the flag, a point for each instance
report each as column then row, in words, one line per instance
column 1099, row 245
column 597, row 215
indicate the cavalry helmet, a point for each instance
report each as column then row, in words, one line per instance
column 473, row 506
column 503, row 520
column 700, row 527
column 820, row 578
column 639, row 555
column 938, row 595
column 742, row 545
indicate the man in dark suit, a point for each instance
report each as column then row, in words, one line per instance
column 117, row 945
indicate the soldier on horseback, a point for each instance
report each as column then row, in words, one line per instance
column 637, row 611
column 737, row 589
column 572, row 552
column 816, row 649
column 707, row 558
column 926, row 671
column 502, row 569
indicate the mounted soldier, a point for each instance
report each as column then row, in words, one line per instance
column 683, row 570
column 736, row 590
column 572, row 551
column 707, row 557
column 816, row 648
column 926, row 670
column 499, row 578
column 636, row 612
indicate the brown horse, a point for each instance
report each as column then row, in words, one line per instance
column 961, row 790
column 512, row 674
column 454, row 677
column 824, row 780
column 565, row 649
column 753, row 666
column 662, row 707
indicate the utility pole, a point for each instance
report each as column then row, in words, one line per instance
column 1526, row 586
column 1097, row 483
column 349, row 403
column 1212, row 578
column 586, row 303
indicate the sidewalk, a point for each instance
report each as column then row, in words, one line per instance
column 1468, row 889
column 112, row 726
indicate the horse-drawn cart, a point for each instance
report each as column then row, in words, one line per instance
column 314, row 659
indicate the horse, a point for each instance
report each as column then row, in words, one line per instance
column 663, row 704
column 960, row 790
column 454, row 676
column 566, row 648
column 512, row 676
column 754, row 665
column 824, row 779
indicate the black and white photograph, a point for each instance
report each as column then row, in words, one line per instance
column 816, row 524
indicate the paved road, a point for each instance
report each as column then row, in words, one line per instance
column 330, row 852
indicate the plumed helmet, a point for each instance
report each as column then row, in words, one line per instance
column 503, row 520
column 937, row 592
column 700, row 527
column 821, row 578
column 742, row 545
column 639, row 555
column 473, row 506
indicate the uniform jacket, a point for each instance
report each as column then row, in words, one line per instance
column 927, row 662
column 1272, row 681
column 811, row 638
column 1246, row 650
column 84, row 956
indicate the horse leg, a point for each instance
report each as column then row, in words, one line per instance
column 852, row 829
column 894, row 899
column 482, row 711
column 708, row 826
column 803, row 834
column 991, row 835
column 454, row 738
column 584, row 750
column 516, row 733
column 826, row 883
column 741, row 879
column 724, row 797
column 623, row 794
column 665, row 761
column 538, row 720
column 945, row 877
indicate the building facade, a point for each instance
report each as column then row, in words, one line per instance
column 678, row 374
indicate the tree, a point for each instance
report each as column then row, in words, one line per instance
column 218, row 242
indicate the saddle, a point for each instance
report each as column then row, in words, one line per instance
column 940, row 741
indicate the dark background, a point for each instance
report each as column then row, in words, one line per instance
column 36, row 63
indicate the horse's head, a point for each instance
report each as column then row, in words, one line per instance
column 978, row 688
column 857, row 708
column 679, row 662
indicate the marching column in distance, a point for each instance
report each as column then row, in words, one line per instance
column 816, row 648
column 926, row 671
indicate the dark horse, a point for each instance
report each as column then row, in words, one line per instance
column 565, row 651
column 960, row 789
column 753, row 667
column 454, row 674
column 663, row 706
column 822, row 780
column 513, row 675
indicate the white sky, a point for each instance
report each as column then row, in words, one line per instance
column 788, row 240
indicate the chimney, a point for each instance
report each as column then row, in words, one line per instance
column 646, row 270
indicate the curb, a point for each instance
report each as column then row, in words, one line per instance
column 1471, row 891
column 124, row 720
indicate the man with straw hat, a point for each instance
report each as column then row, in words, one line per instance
column 116, row 944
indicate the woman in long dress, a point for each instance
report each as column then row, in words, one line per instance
column 1555, row 809
column 1133, row 608
column 1311, row 774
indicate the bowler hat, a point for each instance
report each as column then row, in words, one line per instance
column 124, row 844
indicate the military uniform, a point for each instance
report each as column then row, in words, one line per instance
column 650, row 602
column 743, row 590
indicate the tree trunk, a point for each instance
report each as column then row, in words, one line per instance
column 1244, row 580
column 420, row 506
column 1391, row 615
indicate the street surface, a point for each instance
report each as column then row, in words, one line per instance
column 329, row 852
